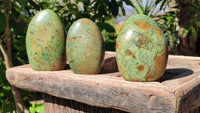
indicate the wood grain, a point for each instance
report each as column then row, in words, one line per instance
column 60, row 105
column 177, row 91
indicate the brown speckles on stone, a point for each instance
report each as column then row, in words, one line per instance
column 117, row 45
column 148, row 77
column 130, row 53
column 159, row 66
column 143, row 25
column 149, row 70
column 121, row 27
column 140, row 68
column 55, row 65
column 132, row 79
column 31, row 32
column 69, row 39
column 85, row 22
column 36, row 60
column 160, row 63
column 142, row 40
column 158, row 32
column 147, row 40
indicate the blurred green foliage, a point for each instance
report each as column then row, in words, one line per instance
column 109, row 32
column 169, row 24
column 149, row 7
column 5, row 92
column 36, row 108
column 184, row 14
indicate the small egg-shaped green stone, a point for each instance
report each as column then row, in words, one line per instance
column 85, row 47
column 45, row 42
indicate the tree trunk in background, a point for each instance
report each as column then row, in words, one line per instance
column 198, row 39
column 187, row 44
column 8, row 60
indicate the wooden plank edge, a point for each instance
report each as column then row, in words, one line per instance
column 98, row 90
column 188, row 96
column 182, row 79
column 187, row 91
column 184, row 57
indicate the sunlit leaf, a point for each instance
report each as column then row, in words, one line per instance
column 194, row 33
column 32, row 109
column 36, row 108
column 198, row 24
column 7, row 88
column 40, row 108
column 185, row 32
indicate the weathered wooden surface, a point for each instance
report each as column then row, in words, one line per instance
column 177, row 91
column 59, row 105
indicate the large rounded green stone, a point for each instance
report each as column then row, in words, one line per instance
column 85, row 47
column 45, row 42
column 141, row 49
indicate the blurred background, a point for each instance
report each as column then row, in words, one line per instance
column 179, row 20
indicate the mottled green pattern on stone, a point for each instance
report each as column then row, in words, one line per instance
column 141, row 49
column 85, row 47
column 45, row 42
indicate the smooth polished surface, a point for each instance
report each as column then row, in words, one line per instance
column 141, row 49
column 85, row 47
column 45, row 42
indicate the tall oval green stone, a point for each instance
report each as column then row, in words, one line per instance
column 85, row 47
column 45, row 42
column 141, row 49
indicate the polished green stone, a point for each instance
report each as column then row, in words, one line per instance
column 45, row 42
column 85, row 47
column 141, row 49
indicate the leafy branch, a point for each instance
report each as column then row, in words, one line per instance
column 7, row 56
